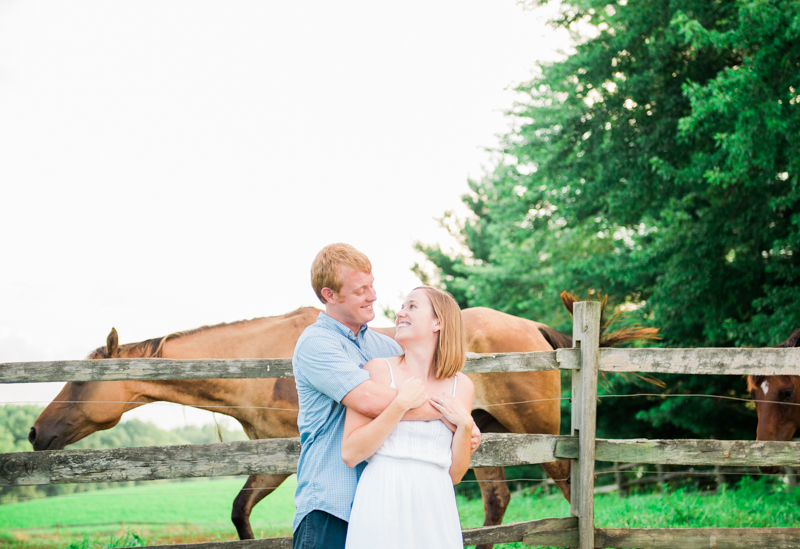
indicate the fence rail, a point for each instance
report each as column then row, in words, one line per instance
column 247, row 457
column 670, row 538
column 279, row 456
column 143, row 369
column 586, row 360
column 716, row 361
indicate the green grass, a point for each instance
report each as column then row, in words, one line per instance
column 764, row 503
column 207, row 503
column 129, row 539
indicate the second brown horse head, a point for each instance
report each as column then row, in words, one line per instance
column 777, row 403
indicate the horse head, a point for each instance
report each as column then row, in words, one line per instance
column 777, row 403
column 84, row 407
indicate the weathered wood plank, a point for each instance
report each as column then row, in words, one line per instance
column 676, row 361
column 144, row 369
column 722, row 361
column 506, row 533
column 537, row 361
column 238, row 368
column 513, row 533
column 250, row 457
column 503, row 450
column 586, row 334
column 669, row 538
column 689, row 452
column 266, row 543
column 280, row 456
column 702, row 361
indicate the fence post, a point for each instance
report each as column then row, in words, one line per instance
column 720, row 477
column 619, row 478
column 586, row 336
column 791, row 477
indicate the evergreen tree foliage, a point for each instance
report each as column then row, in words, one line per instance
column 657, row 163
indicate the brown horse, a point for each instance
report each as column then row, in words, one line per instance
column 776, row 419
column 72, row 415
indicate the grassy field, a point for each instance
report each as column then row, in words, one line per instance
column 200, row 510
column 194, row 510
column 198, row 501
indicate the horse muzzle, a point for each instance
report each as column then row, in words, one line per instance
column 40, row 442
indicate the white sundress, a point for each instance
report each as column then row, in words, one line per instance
column 405, row 497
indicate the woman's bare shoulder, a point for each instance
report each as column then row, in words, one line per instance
column 465, row 386
column 379, row 370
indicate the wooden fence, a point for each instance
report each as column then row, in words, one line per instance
column 581, row 446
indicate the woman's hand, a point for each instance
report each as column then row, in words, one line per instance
column 453, row 410
column 411, row 395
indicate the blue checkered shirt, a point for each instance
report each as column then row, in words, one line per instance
column 327, row 364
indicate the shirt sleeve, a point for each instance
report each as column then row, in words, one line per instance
column 327, row 367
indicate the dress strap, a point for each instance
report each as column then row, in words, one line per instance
column 455, row 382
column 391, row 373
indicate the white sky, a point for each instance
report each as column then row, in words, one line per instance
column 170, row 164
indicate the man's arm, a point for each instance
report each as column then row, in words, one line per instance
column 370, row 399
column 327, row 368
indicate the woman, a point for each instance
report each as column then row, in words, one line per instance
column 405, row 496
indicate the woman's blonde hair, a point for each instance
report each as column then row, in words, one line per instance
column 451, row 349
column 325, row 269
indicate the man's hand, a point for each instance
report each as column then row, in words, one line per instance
column 475, row 440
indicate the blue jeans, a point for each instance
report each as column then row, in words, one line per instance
column 320, row 530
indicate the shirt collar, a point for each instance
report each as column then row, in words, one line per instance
column 330, row 322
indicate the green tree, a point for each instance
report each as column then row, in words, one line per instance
column 16, row 421
column 657, row 163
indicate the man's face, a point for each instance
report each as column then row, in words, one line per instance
column 352, row 306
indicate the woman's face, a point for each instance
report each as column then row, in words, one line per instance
column 416, row 319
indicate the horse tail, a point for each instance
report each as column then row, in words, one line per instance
column 617, row 337
column 613, row 339
column 556, row 339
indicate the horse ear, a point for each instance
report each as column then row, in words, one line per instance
column 793, row 341
column 112, row 343
column 568, row 300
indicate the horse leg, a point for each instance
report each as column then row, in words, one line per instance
column 255, row 489
column 559, row 471
column 495, row 495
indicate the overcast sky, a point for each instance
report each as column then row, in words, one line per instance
column 166, row 165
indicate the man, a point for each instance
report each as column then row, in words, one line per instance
column 327, row 366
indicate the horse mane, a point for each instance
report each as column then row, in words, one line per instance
column 148, row 348
column 154, row 348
